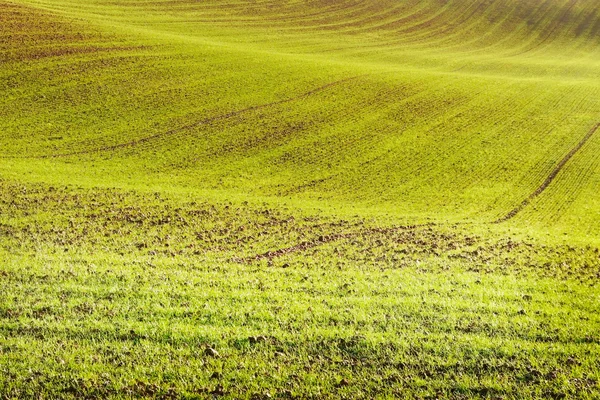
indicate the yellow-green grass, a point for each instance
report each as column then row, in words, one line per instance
column 113, row 294
column 421, row 110
column 343, row 198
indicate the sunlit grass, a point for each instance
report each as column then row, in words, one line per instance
column 298, row 199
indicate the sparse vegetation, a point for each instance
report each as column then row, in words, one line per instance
column 299, row 199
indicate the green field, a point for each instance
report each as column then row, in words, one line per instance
column 300, row 199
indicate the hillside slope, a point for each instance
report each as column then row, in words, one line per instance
column 421, row 110
column 299, row 199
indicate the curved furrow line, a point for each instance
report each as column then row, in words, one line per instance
column 458, row 147
column 325, row 239
column 354, row 17
column 537, row 136
column 361, row 17
column 311, row 19
column 550, row 177
column 400, row 14
column 370, row 131
column 314, row 131
column 448, row 32
column 417, row 16
column 447, row 29
column 556, row 22
column 582, row 28
column 205, row 121
column 371, row 22
column 438, row 18
column 346, row 142
column 483, row 22
column 545, row 24
column 333, row 121
column 378, row 26
column 333, row 22
column 441, row 30
column 280, row 135
column 428, row 17
column 501, row 34
column 411, row 15
column 453, row 28
column 439, row 24
column 300, row 19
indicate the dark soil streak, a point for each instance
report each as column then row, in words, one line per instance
column 550, row 177
column 201, row 122
column 321, row 240
column 303, row 246
column 310, row 184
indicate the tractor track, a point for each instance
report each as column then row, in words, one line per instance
column 550, row 178
column 325, row 239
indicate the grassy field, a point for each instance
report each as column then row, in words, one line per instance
column 300, row 199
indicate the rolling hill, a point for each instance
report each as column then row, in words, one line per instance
column 433, row 110
column 299, row 198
